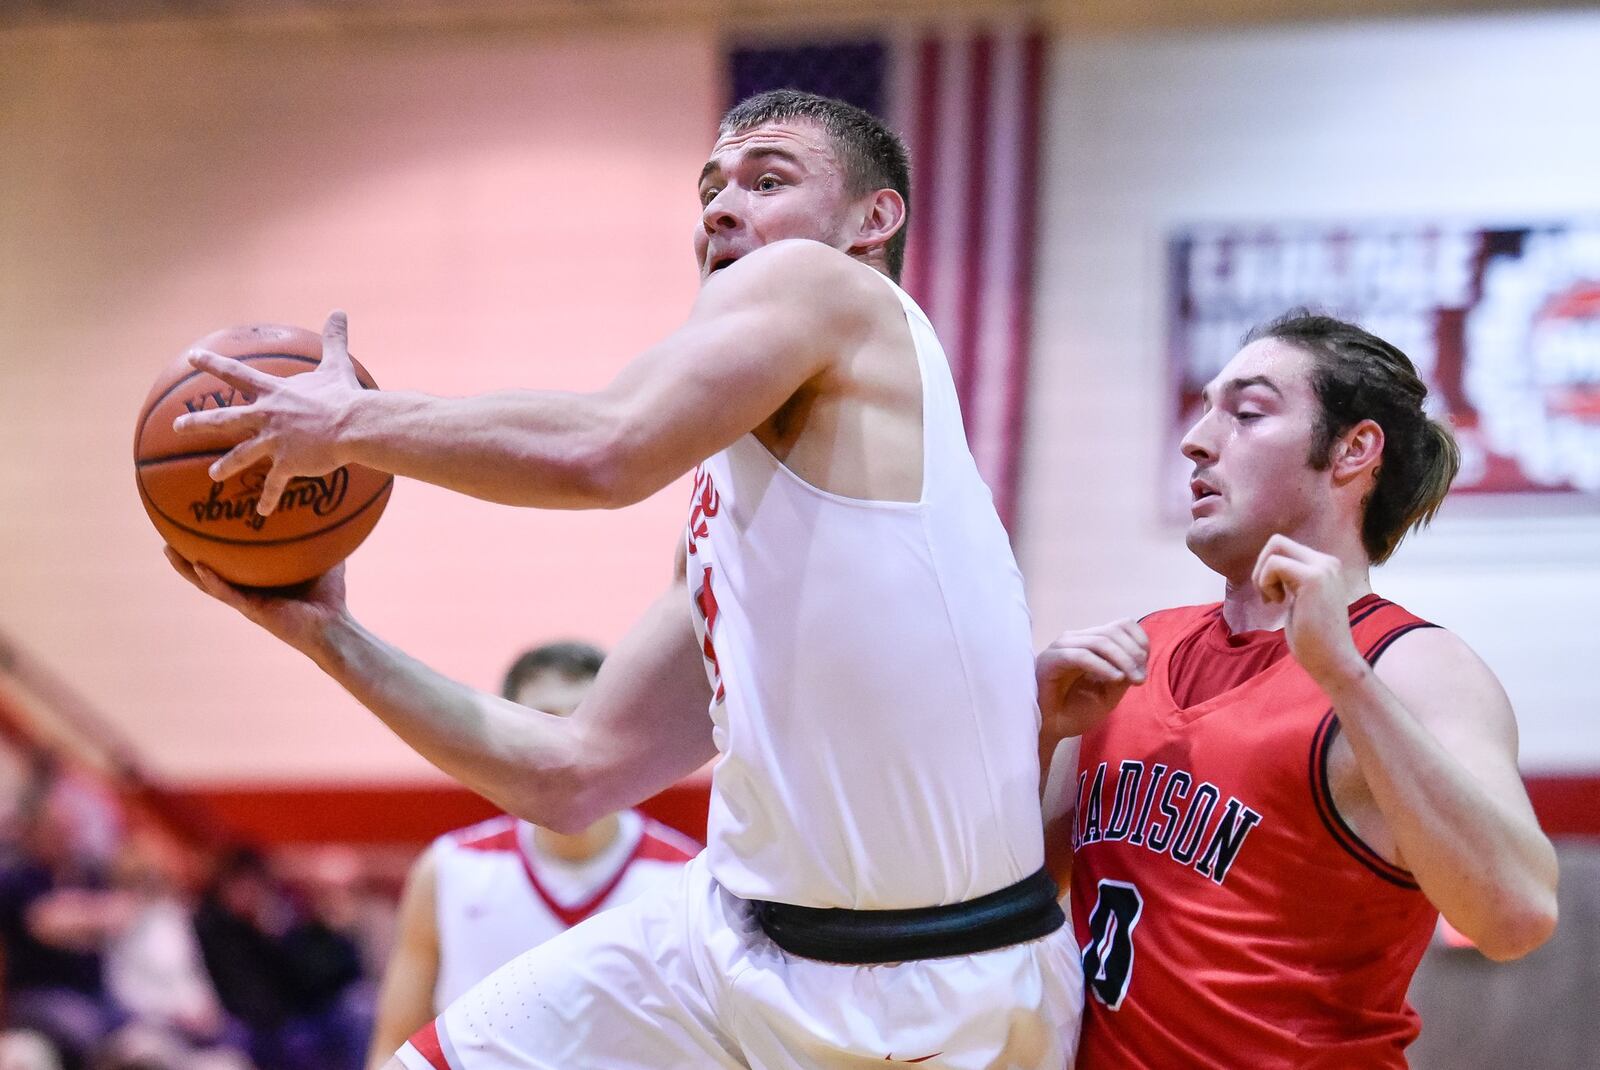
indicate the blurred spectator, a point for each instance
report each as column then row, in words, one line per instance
column 104, row 965
column 288, row 975
column 144, row 1047
column 154, row 971
column 56, row 917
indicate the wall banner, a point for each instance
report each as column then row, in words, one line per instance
column 1503, row 323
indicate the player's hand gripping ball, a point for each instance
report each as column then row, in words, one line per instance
column 318, row 521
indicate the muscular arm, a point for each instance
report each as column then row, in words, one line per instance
column 405, row 1001
column 641, row 727
column 1436, row 742
column 760, row 330
column 1080, row 677
column 1059, row 761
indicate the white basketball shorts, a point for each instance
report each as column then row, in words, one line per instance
column 684, row 979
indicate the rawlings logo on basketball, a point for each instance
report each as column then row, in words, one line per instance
column 321, row 494
column 218, row 399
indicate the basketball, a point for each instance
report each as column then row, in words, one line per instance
column 319, row 520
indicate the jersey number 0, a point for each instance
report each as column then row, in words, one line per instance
column 1108, row 955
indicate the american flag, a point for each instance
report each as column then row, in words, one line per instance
column 967, row 101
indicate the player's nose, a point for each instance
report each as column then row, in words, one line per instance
column 721, row 213
column 1196, row 444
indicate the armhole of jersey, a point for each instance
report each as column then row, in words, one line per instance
column 1322, row 792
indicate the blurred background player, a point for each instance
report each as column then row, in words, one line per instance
column 480, row 896
column 1267, row 818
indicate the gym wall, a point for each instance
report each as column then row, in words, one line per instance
column 492, row 210
column 1473, row 119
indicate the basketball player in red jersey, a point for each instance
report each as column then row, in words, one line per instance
column 1276, row 794
column 846, row 634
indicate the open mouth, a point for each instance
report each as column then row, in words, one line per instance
column 1201, row 491
column 721, row 262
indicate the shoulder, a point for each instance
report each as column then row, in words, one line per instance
column 825, row 280
column 423, row 874
column 1377, row 623
column 1428, row 652
column 495, row 834
column 801, row 260
column 1444, row 682
column 1176, row 619
column 420, row 897
column 662, row 843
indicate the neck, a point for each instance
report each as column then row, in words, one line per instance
column 1246, row 610
column 578, row 846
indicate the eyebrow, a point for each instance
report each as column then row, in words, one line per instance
column 713, row 167
column 1233, row 386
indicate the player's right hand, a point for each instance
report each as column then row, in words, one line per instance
column 293, row 421
column 1084, row 674
column 298, row 615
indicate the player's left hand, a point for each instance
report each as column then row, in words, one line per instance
column 300, row 615
column 293, row 421
column 1313, row 585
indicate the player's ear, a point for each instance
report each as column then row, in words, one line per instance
column 886, row 214
column 1358, row 451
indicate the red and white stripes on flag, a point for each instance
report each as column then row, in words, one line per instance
column 969, row 106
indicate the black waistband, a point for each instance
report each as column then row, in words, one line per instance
column 1025, row 911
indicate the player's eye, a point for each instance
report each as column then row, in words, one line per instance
column 768, row 182
column 708, row 195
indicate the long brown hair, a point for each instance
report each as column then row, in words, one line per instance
column 1358, row 376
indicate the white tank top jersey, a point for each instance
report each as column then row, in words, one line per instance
column 871, row 667
column 496, row 896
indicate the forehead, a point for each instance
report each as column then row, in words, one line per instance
column 553, row 679
column 1288, row 366
column 798, row 137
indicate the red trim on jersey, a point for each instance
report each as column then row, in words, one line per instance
column 426, row 1041
column 572, row 915
column 655, row 847
column 504, row 839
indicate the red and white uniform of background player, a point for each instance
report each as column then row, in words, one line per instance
column 496, row 895
column 1228, row 917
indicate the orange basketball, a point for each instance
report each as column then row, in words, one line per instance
column 318, row 522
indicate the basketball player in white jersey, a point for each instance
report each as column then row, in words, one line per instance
column 872, row 890
column 480, row 896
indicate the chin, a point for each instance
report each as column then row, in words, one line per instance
column 1217, row 549
column 1200, row 536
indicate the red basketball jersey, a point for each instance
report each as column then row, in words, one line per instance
column 1226, row 915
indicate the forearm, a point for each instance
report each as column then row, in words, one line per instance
column 1058, row 762
column 522, row 760
column 517, row 447
column 1478, row 854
